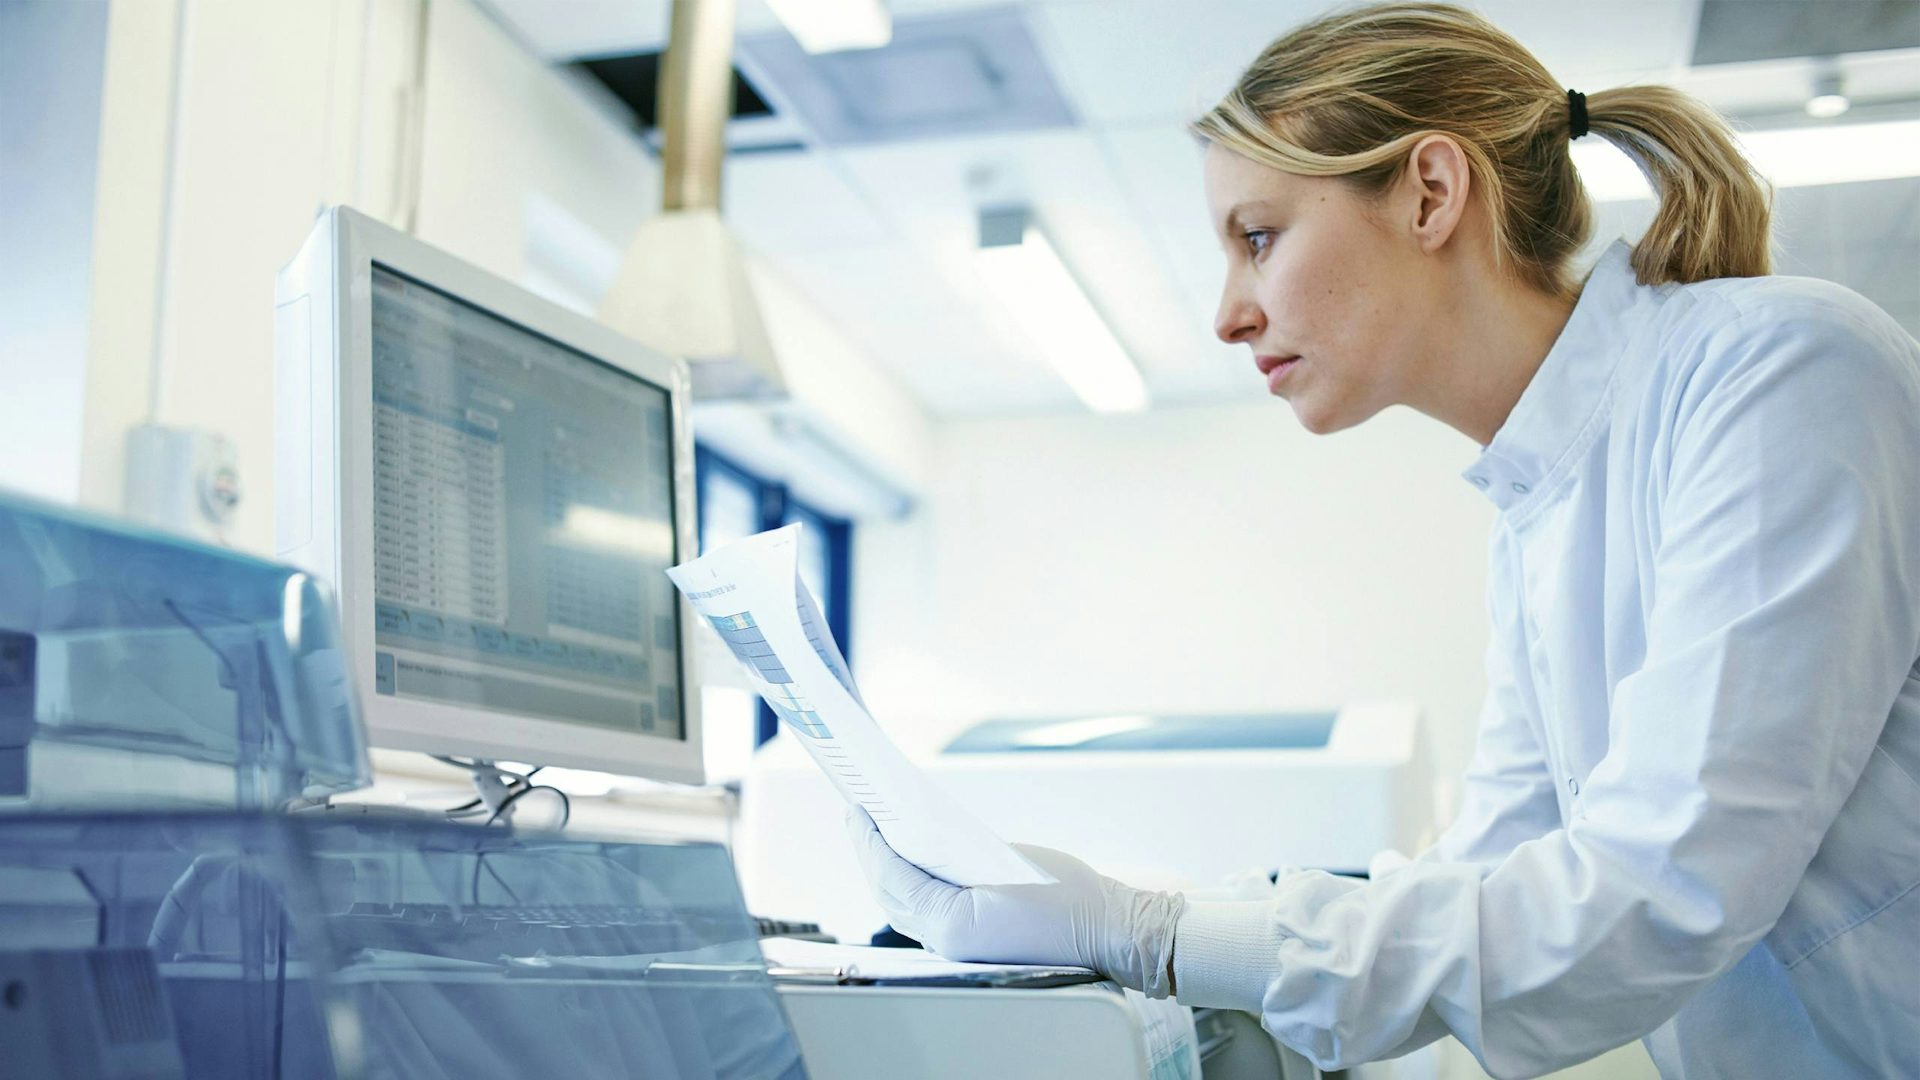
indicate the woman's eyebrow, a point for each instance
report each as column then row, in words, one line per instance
column 1232, row 223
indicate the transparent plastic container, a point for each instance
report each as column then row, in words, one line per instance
column 322, row 945
column 141, row 669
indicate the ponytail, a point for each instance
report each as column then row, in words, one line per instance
column 1348, row 94
column 1715, row 210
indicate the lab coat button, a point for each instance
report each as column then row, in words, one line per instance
column 1520, row 488
column 1573, row 785
column 1480, row 482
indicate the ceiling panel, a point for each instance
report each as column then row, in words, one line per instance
column 1782, row 86
column 1159, row 168
column 930, row 192
column 798, row 202
column 1131, row 60
column 1738, row 30
column 568, row 29
column 1591, row 46
column 907, row 318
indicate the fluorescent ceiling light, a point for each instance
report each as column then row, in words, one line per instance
column 823, row 26
column 1025, row 274
column 1827, row 106
column 1790, row 157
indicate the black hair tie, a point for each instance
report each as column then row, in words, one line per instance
column 1576, row 114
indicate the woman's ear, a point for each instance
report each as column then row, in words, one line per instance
column 1439, row 183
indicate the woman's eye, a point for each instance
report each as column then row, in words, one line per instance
column 1259, row 240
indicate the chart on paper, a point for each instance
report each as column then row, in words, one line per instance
column 751, row 648
column 750, row 592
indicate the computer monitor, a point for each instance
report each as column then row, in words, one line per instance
column 495, row 485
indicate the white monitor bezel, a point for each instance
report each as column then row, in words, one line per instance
column 324, row 340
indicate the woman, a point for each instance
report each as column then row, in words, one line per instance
column 1693, row 815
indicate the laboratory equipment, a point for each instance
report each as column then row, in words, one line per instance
column 1155, row 801
column 313, row 947
column 275, row 936
column 495, row 485
column 143, row 669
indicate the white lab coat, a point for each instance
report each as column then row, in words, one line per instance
column 1693, row 815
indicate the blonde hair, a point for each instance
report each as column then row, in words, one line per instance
column 1351, row 93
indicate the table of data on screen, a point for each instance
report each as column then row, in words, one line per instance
column 440, row 507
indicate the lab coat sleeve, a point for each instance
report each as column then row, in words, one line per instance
column 1508, row 793
column 1783, row 624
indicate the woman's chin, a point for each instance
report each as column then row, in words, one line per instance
column 1316, row 418
column 1325, row 419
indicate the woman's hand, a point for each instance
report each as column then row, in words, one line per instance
column 1081, row 920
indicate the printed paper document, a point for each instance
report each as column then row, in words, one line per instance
column 751, row 593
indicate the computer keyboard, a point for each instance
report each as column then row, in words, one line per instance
column 805, row 931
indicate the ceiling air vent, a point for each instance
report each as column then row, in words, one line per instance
column 972, row 74
column 634, row 78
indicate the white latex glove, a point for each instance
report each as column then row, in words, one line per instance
column 1082, row 920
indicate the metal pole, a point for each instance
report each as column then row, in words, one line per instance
column 696, row 98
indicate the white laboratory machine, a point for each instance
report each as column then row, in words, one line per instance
column 1207, row 803
column 1159, row 801
column 225, row 926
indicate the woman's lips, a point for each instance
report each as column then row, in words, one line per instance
column 1275, row 368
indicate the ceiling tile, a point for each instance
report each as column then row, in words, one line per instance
column 1590, row 46
column 932, row 192
column 905, row 317
column 1159, row 168
column 1128, row 60
column 797, row 202
column 1780, row 88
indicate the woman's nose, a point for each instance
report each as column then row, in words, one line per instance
column 1238, row 319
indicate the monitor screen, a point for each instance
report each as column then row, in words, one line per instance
column 522, row 518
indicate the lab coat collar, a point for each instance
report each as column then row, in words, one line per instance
column 1558, row 406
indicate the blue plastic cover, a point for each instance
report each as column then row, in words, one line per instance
column 124, row 652
column 320, row 946
column 1270, row 731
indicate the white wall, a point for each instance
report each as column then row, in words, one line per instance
column 845, row 393
column 1203, row 559
column 52, row 56
column 502, row 131
column 285, row 108
column 186, row 247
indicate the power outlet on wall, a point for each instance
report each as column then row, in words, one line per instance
column 183, row 480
